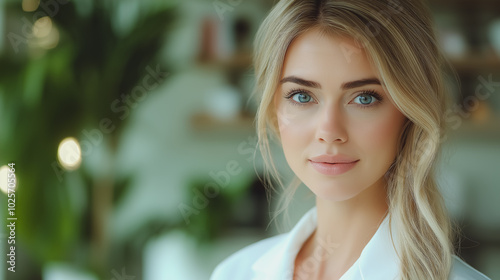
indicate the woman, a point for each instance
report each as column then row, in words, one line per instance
column 353, row 90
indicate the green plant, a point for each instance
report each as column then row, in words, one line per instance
column 49, row 94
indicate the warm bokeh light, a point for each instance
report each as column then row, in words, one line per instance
column 69, row 153
column 30, row 5
column 42, row 27
column 51, row 40
column 45, row 34
column 4, row 176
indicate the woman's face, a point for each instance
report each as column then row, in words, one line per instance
column 339, row 128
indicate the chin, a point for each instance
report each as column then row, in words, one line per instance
column 333, row 192
column 337, row 197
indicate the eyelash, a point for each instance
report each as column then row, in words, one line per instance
column 370, row 92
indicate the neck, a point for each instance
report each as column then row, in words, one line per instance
column 344, row 228
column 353, row 218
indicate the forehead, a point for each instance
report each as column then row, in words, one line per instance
column 319, row 56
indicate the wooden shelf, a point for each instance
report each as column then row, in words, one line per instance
column 485, row 131
column 454, row 3
column 207, row 122
column 476, row 63
column 239, row 61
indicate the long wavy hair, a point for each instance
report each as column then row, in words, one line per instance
column 399, row 40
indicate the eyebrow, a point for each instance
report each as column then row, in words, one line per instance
column 344, row 86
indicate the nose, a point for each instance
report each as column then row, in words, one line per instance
column 331, row 126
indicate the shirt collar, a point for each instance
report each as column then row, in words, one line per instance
column 378, row 260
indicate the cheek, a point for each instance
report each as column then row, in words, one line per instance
column 382, row 134
column 296, row 128
column 293, row 121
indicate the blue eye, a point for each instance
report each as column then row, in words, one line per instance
column 367, row 98
column 364, row 99
column 301, row 97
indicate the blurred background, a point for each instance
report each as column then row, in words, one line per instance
column 131, row 130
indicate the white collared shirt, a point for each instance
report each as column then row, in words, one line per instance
column 274, row 258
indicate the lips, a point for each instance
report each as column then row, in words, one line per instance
column 333, row 164
column 339, row 158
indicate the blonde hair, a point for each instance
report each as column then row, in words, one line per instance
column 399, row 39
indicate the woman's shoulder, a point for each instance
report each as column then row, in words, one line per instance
column 239, row 265
column 462, row 271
